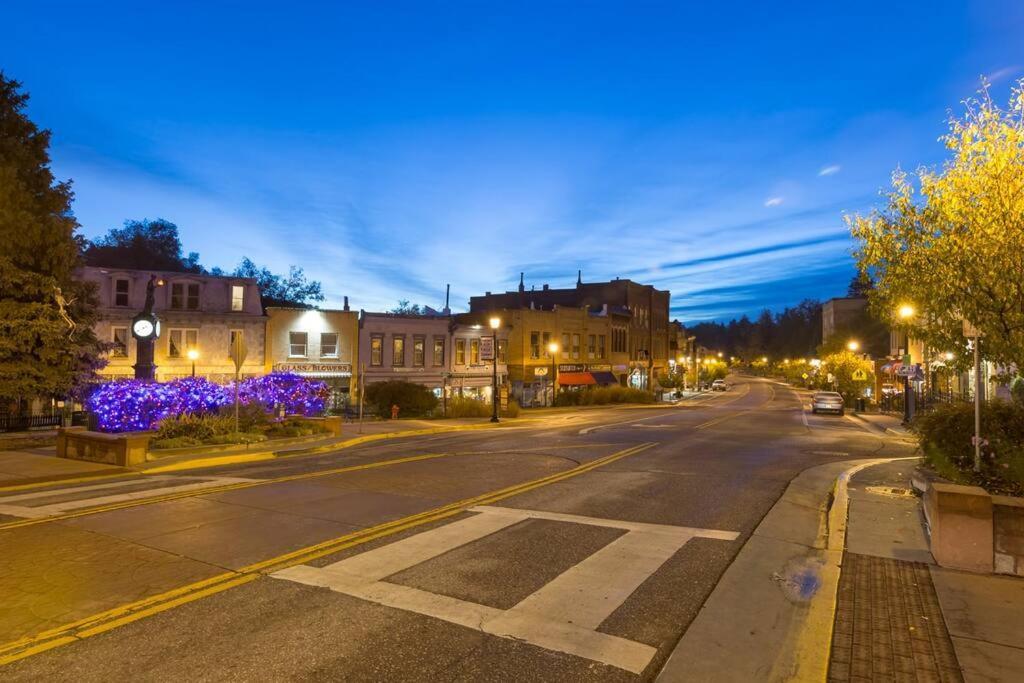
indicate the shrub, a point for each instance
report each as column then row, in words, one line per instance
column 413, row 400
column 602, row 396
column 947, row 434
column 237, row 437
column 465, row 406
column 198, row 427
column 1017, row 390
column 292, row 427
column 298, row 395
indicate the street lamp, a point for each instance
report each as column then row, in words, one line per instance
column 495, row 324
column 906, row 312
column 553, row 352
column 192, row 355
column 853, row 345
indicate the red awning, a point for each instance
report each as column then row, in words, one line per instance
column 572, row 379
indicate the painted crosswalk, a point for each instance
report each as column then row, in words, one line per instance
column 51, row 502
column 562, row 615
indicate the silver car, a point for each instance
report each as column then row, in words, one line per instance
column 827, row 402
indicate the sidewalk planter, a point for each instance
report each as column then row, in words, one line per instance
column 1008, row 534
column 125, row 449
column 972, row 530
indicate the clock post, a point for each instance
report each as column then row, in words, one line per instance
column 146, row 330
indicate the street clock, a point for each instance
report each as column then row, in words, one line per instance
column 145, row 326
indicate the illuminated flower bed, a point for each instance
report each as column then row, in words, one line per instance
column 135, row 405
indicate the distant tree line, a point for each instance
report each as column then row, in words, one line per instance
column 156, row 245
column 796, row 331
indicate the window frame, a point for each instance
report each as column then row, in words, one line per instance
column 292, row 344
column 460, row 351
column 184, row 333
column 474, row 351
column 376, row 350
column 127, row 292
column 398, row 344
column 419, row 350
column 336, row 352
column 535, row 350
column 114, row 352
column 240, row 299
column 439, row 358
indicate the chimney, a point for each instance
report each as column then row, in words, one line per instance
column 447, row 295
column 579, row 278
column 345, row 307
column 522, row 285
column 545, row 288
column 487, row 293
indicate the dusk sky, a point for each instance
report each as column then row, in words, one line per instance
column 392, row 148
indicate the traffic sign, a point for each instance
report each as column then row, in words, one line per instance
column 238, row 351
column 805, row 375
column 859, row 375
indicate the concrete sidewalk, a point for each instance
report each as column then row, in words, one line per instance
column 901, row 617
column 25, row 466
column 883, row 423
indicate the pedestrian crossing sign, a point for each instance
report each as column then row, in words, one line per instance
column 859, row 375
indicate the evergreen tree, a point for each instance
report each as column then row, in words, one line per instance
column 47, row 346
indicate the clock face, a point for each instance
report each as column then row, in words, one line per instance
column 142, row 328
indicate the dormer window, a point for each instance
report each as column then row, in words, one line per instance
column 185, row 296
column 237, row 297
column 121, row 292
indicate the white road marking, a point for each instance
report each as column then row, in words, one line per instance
column 42, row 511
column 588, row 430
column 561, row 616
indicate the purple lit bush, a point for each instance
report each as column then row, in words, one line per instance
column 298, row 395
column 133, row 405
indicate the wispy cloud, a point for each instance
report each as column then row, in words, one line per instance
column 774, row 201
column 1003, row 73
column 830, row 170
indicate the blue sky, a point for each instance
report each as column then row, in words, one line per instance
column 392, row 148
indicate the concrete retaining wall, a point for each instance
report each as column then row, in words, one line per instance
column 78, row 443
column 975, row 531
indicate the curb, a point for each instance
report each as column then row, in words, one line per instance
column 770, row 615
column 258, row 456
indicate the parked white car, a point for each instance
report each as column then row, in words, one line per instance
column 827, row 402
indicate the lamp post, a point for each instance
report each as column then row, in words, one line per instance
column 495, row 324
column 553, row 352
column 906, row 312
column 853, row 345
column 192, row 355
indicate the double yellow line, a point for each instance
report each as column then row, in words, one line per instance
column 126, row 614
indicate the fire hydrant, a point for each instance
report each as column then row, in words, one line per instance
column 394, row 411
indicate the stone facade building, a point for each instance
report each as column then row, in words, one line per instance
column 202, row 313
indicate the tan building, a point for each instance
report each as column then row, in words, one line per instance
column 642, row 308
column 315, row 343
column 198, row 313
column 591, row 350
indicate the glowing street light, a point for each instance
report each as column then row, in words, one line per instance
column 193, row 354
column 949, row 355
column 764, row 359
column 906, row 311
column 553, row 351
column 495, row 324
column 853, row 345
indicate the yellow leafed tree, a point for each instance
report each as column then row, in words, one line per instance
column 952, row 244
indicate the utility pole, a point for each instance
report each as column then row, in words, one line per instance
column 977, row 404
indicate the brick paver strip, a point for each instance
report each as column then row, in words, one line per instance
column 888, row 624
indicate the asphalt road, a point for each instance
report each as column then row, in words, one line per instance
column 577, row 546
